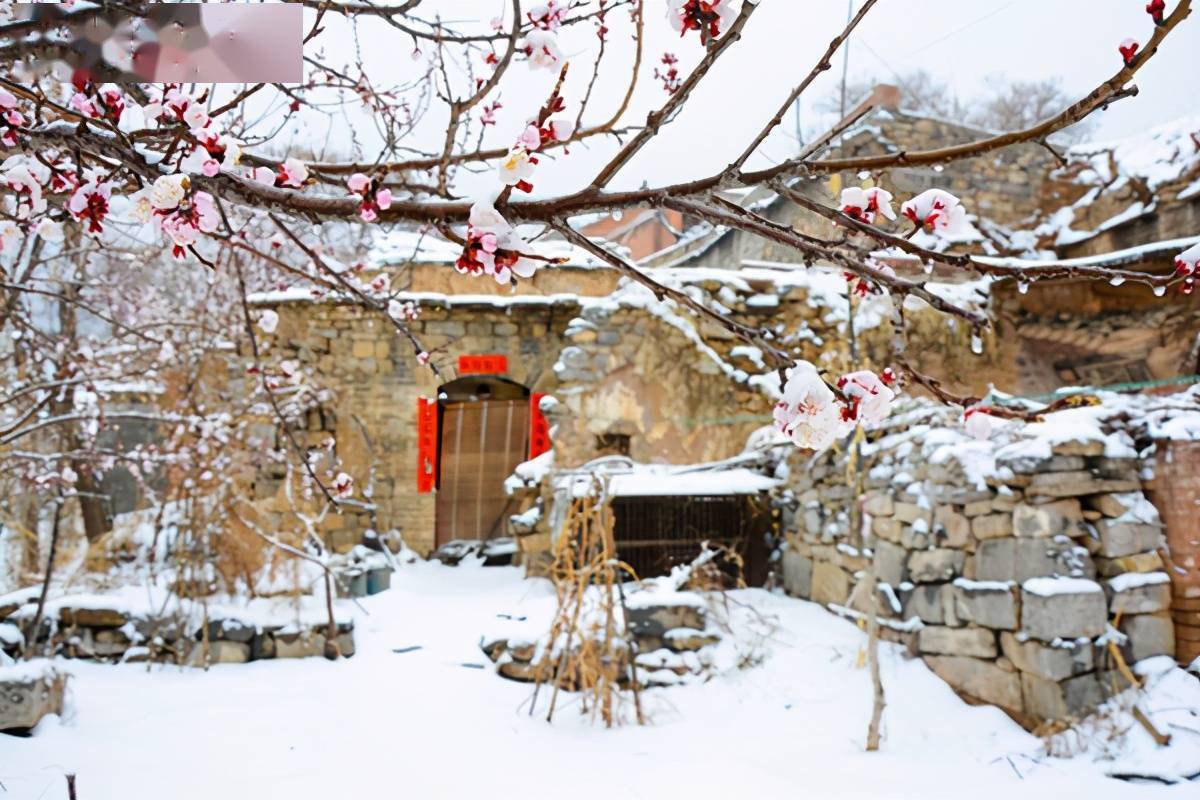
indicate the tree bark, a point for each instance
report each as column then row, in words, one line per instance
column 31, row 634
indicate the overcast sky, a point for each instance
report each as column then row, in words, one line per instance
column 964, row 42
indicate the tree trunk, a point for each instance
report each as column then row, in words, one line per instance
column 873, row 661
column 31, row 634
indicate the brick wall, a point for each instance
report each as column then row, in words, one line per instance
column 1175, row 490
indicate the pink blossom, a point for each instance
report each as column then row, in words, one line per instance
column 542, row 49
column 562, row 129
column 530, row 138
column 358, row 182
column 84, row 105
column 263, row 175
column 292, row 172
column 383, row 198
column 870, row 399
column 711, row 16
column 864, row 204
column 937, row 211
column 548, row 16
column 8, row 100
column 90, row 203
column 343, row 485
column 1187, row 263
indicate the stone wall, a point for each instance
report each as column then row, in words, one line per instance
column 1007, row 567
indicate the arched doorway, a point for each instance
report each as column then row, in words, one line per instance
column 484, row 436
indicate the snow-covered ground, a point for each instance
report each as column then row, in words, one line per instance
column 429, row 723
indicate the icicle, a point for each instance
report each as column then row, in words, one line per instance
column 976, row 344
column 938, row 168
column 1159, row 291
column 928, row 267
column 862, row 176
column 1117, row 281
column 1023, row 287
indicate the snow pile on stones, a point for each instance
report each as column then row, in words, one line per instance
column 1009, row 564
column 28, row 692
column 677, row 636
column 137, row 624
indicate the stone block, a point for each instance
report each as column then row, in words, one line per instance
column 91, row 617
column 1115, row 505
column 830, row 584
column 951, row 528
column 1079, row 447
column 110, row 642
column 1052, row 662
column 656, row 620
column 1048, row 519
column 1020, row 559
column 978, row 508
column 1139, row 593
column 1062, row 608
column 915, row 537
column 992, row 526
column 936, row 565
column 879, row 504
column 911, row 512
column 1139, row 562
column 29, row 693
column 1126, row 538
column 890, row 563
column 990, row 604
column 232, row 629
column 1050, row 700
column 974, row 642
column 932, row 603
column 1076, row 483
column 299, row 645
column 1029, row 465
column 797, row 574
column 1149, row 635
column 979, row 680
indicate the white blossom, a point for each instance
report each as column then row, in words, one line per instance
column 808, row 412
column 168, row 191
column 938, row 212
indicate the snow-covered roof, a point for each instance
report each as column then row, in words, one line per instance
column 624, row 478
column 1158, row 156
column 401, row 247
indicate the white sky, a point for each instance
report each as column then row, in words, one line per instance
column 964, row 42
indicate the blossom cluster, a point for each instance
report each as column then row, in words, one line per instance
column 710, row 17
column 517, row 168
column 813, row 416
column 934, row 211
column 494, row 248
column 375, row 197
column 181, row 213
column 1187, row 264
column 170, row 202
column 540, row 45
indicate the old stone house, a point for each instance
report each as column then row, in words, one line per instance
column 633, row 377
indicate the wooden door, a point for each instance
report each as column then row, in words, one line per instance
column 482, row 442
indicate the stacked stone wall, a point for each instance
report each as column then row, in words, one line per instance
column 1010, row 585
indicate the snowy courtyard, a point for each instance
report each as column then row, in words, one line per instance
column 439, row 722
